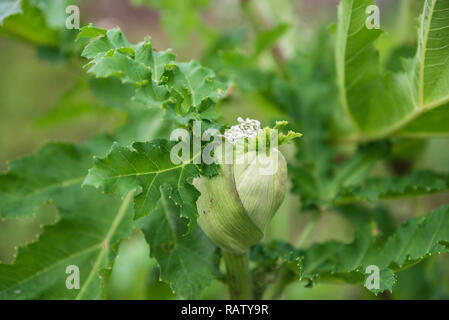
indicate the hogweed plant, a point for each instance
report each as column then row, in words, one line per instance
column 236, row 205
column 202, row 192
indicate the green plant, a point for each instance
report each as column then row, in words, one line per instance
column 362, row 101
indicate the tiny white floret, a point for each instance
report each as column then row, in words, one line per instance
column 245, row 129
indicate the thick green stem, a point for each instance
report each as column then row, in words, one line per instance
column 279, row 287
column 308, row 230
column 239, row 279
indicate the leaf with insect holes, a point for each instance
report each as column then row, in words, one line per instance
column 188, row 262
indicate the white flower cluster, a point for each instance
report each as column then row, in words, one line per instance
column 245, row 129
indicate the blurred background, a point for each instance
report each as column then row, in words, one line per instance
column 39, row 102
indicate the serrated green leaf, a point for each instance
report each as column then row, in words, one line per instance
column 188, row 88
column 417, row 239
column 112, row 54
column 41, row 177
column 145, row 125
column 90, row 227
column 108, row 40
column 90, row 32
column 146, row 167
column 193, row 83
column 90, row 224
column 414, row 184
column 187, row 262
column 385, row 224
column 271, row 254
column 45, row 175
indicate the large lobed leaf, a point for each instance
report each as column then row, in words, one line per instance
column 90, row 227
column 189, row 88
column 360, row 77
column 430, row 72
column 187, row 261
column 90, row 224
column 146, row 166
column 409, row 98
column 415, row 184
column 412, row 242
column 45, row 176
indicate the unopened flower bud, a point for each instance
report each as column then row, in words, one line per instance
column 236, row 205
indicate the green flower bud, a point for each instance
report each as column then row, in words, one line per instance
column 236, row 205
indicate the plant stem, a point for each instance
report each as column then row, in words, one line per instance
column 239, row 279
column 308, row 230
column 281, row 284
